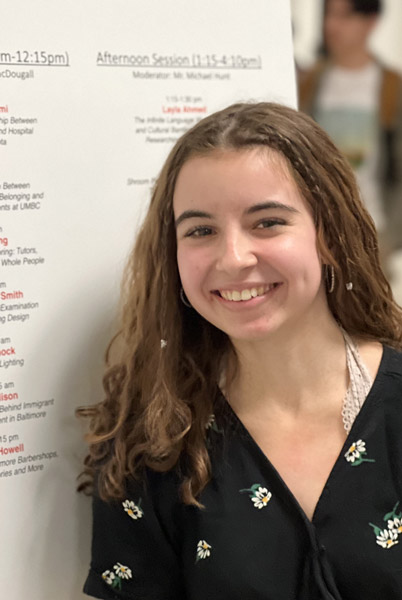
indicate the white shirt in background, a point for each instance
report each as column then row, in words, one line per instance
column 347, row 108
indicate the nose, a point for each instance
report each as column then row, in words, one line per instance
column 235, row 253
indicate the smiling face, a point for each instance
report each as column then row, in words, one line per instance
column 246, row 244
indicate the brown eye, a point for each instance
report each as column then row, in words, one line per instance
column 268, row 223
column 199, row 232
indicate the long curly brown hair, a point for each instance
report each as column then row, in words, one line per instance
column 159, row 399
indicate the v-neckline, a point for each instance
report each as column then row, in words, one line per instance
column 360, row 416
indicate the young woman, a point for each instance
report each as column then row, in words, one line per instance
column 249, row 445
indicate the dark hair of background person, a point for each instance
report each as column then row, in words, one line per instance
column 365, row 7
column 158, row 400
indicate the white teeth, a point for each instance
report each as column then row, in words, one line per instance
column 247, row 294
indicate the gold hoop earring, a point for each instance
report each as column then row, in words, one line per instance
column 330, row 278
column 184, row 299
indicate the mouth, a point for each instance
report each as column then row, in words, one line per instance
column 245, row 294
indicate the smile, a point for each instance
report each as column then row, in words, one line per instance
column 245, row 294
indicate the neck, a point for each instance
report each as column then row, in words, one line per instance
column 352, row 60
column 290, row 373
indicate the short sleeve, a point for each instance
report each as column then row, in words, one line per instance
column 133, row 556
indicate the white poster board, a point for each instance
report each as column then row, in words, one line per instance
column 92, row 95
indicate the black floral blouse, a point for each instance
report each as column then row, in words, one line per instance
column 252, row 541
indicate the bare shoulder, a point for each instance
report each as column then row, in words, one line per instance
column 371, row 353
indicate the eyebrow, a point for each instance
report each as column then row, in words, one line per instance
column 271, row 204
column 191, row 214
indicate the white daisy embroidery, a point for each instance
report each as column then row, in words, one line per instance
column 261, row 497
column 356, row 454
column 122, row 571
column 387, row 538
column 211, row 424
column 108, row 576
column 133, row 510
column 395, row 525
column 355, row 451
column 203, row 550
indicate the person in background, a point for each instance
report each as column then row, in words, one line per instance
column 249, row 444
column 358, row 101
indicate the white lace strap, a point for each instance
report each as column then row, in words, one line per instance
column 359, row 386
